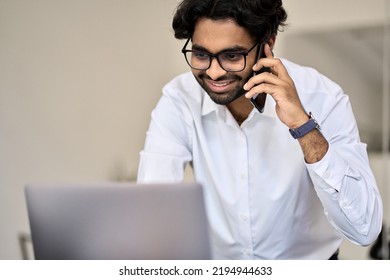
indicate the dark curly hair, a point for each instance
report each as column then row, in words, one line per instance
column 262, row 18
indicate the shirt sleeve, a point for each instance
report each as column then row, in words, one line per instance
column 344, row 181
column 167, row 150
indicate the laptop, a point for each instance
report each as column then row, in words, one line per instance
column 111, row 221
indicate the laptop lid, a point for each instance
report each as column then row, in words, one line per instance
column 118, row 221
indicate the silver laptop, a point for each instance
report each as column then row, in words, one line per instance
column 118, row 221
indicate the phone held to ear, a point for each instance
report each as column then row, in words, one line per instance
column 258, row 101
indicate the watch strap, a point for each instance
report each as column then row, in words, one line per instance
column 305, row 128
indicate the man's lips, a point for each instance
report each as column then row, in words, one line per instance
column 219, row 86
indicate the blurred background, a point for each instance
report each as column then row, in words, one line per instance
column 79, row 79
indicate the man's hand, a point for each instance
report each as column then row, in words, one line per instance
column 280, row 86
column 289, row 109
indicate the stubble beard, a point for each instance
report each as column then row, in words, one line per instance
column 224, row 98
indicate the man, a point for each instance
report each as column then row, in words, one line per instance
column 287, row 180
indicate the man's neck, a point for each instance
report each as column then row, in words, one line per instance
column 240, row 109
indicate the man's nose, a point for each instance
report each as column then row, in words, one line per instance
column 215, row 70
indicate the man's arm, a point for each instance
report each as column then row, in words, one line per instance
column 336, row 159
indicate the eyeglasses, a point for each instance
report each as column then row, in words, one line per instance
column 231, row 61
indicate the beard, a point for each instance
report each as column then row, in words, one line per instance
column 224, row 98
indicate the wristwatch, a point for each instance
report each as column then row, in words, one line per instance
column 305, row 128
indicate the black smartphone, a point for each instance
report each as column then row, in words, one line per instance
column 258, row 100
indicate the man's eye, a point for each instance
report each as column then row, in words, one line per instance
column 200, row 55
column 231, row 56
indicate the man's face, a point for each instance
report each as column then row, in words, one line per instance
column 215, row 36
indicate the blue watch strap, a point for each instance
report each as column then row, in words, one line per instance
column 305, row 128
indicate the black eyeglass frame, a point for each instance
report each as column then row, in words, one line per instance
column 211, row 56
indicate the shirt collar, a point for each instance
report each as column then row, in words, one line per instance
column 209, row 106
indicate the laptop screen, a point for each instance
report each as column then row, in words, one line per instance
column 118, row 221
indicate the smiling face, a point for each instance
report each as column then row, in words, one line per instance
column 215, row 36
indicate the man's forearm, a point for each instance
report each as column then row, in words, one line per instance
column 314, row 146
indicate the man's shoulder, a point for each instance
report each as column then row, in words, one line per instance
column 318, row 93
column 182, row 82
column 301, row 72
column 309, row 79
column 184, row 87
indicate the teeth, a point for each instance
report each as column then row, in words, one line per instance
column 220, row 85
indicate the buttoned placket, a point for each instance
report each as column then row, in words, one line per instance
column 242, row 181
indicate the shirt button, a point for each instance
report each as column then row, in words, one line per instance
column 326, row 174
column 243, row 176
column 243, row 218
column 247, row 252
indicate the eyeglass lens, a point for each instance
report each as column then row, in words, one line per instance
column 229, row 61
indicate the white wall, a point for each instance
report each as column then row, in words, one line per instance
column 78, row 80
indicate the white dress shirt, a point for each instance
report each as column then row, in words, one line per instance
column 263, row 201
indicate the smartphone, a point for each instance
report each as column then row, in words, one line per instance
column 258, row 101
